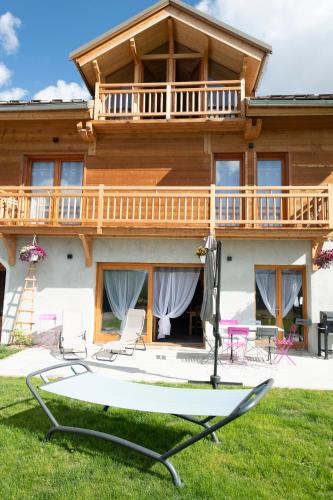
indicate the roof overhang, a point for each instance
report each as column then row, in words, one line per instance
column 294, row 106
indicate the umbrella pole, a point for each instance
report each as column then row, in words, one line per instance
column 215, row 379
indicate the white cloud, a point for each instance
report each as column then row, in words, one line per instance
column 299, row 31
column 14, row 94
column 8, row 37
column 63, row 90
column 5, row 74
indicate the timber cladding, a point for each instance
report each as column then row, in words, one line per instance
column 155, row 160
column 166, row 159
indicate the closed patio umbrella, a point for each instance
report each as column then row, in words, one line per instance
column 210, row 311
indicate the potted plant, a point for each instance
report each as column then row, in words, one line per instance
column 19, row 337
column 324, row 259
column 32, row 253
column 201, row 253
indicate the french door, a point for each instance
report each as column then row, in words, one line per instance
column 281, row 298
column 56, row 174
column 271, row 173
column 228, row 174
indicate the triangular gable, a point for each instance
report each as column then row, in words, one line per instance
column 227, row 46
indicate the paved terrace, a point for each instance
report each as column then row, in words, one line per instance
column 180, row 365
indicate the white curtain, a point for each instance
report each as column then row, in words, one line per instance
column 266, row 282
column 291, row 285
column 123, row 289
column 174, row 288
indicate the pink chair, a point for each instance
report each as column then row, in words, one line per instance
column 283, row 345
column 237, row 339
column 225, row 337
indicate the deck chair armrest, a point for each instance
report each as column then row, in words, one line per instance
column 251, row 400
column 43, row 371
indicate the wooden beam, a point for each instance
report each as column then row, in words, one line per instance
column 87, row 243
column 9, row 242
column 243, row 70
column 205, row 60
column 317, row 247
column 134, row 50
column 252, row 129
column 161, row 57
column 98, row 74
column 171, row 37
column 88, row 135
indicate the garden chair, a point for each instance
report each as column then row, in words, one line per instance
column 210, row 340
column 130, row 337
column 265, row 340
column 283, row 345
column 73, row 337
column 237, row 339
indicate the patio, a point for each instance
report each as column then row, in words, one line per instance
column 179, row 365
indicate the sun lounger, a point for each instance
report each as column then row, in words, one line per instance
column 188, row 404
column 130, row 337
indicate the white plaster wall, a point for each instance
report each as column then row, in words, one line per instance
column 69, row 284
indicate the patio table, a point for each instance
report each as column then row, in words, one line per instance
column 223, row 329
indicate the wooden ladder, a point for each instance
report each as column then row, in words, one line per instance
column 24, row 319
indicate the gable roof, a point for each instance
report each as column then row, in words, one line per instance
column 158, row 6
column 227, row 46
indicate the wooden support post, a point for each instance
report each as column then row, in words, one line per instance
column 9, row 242
column 87, row 243
column 317, row 247
column 97, row 101
column 100, row 209
column 168, row 102
column 330, row 205
column 212, row 215
column 98, row 74
column 242, row 97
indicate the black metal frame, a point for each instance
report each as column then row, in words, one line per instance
column 323, row 329
column 249, row 402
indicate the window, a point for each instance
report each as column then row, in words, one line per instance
column 51, row 173
column 281, row 297
column 228, row 174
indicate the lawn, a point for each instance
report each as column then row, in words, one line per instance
column 282, row 449
column 6, row 351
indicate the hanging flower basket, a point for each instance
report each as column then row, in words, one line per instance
column 32, row 253
column 201, row 253
column 324, row 259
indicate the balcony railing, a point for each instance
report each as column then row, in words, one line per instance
column 187, row 100
column 211, row 207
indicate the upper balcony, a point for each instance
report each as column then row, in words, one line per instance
column 184, row 101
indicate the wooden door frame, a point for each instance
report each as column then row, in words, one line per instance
column 99, row 336
column 279, row 268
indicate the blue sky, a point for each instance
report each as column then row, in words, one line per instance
column 47, row 31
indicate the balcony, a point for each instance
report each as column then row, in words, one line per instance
column 271, row 212
column 182, row 101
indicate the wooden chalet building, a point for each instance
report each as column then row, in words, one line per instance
column 174, row 145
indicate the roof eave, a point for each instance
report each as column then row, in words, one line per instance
column 158, row 6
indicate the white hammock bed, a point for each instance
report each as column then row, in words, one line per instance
column 185, row 403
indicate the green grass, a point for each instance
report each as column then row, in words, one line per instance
column 280, row 450
column 6, row 351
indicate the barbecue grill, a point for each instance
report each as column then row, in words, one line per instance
column 325, row 328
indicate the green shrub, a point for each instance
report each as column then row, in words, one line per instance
column 19, row 337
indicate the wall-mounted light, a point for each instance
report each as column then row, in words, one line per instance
column 69, row 256
column 229, row 258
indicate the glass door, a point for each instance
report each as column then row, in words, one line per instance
column 228, row 173
column 270, row 174
column 71, row 174
column 281, row 298
column 42, row 174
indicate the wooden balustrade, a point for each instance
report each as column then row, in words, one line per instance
column 209, row 207
column 187, row 100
